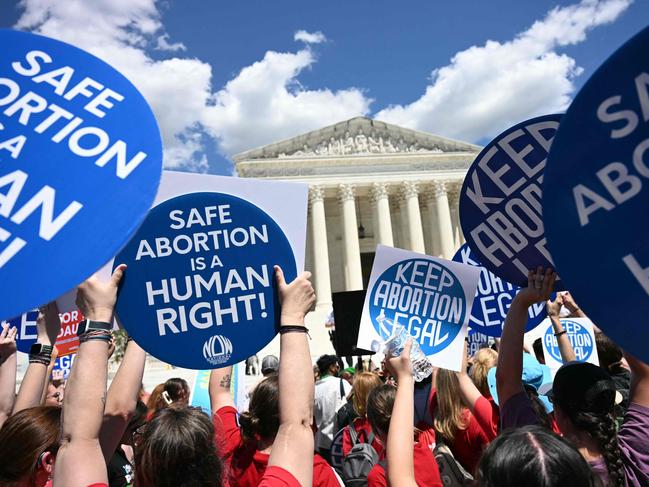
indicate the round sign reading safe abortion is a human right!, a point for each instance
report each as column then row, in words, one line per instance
column 80, row 164
column 199, row 291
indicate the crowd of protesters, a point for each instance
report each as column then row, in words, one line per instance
column 500, row 421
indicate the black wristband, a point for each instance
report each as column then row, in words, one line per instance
column 560, row 333
column 294, row 329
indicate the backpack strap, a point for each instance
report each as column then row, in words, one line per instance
column 353, row 434
column 370, row 439
column 342, row 389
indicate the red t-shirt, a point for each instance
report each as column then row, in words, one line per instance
column 468, row 444
column 246, row 465
column 426, row 470
column 364, row 431
column 277, row 476
column 487, row 415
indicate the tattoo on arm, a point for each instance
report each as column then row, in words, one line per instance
column 225, row 382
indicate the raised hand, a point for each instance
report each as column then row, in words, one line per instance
column 7, row 341
column 569, row 302
column 554, row 307
column 401, row 367
column 296, row 298
column 96, row 299
column 48, row 324
column 540, row 285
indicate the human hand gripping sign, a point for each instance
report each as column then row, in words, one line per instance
column 96, row 299
column 296, row 299
column 400, row 366
column 7, row 341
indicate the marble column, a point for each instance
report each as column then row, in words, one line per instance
column 320, row 248
column 443, row 214
column 382, row 220
column 454, row 203
column 404, row 235
column 351, row 249
column 410, row 192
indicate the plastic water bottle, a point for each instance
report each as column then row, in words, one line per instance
column 421, row 367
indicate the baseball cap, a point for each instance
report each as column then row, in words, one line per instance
column 535, row 375
column 269, row 364
column 582, row 386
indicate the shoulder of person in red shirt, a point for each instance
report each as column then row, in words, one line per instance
column 487, row 416
column 426, row 470
column 469, row 443
column 364, row 430
column 246, row 464
column 277, row 476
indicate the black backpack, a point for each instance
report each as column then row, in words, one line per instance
column 451, row 472
column 360, row 460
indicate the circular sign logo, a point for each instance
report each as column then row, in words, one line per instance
column 423, row 296
column 81, row 160
column 596, row 197
column 580, row 339
column 500, row 200
column 492, row 299
column 199, row 291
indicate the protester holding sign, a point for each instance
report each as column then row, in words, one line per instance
column 246, row 439
column 584, row 398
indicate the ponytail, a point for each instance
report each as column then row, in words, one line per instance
column 602, row 429
column 261, row 421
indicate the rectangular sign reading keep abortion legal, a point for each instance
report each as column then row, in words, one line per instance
column 430, row 297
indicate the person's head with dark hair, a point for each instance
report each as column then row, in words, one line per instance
column 533, row 456
column 379, row 409
column 29, row 442
column 261, row 421
column 177, row 449
column 328, row 365
column 584, row 402
column 609, row 353
column 538, row 350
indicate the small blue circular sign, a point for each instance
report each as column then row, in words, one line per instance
column 199, row 291
column 596, row 197
column 81, row 160
column 492, row 299
column 423, row 296
column 580, row 339
column 500, row 200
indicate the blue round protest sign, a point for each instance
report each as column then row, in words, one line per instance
column 596, row 197
column 425, row 297
column 580, row 339
column 81, row 159
column 500, row 200
column 492, row 299
column 199, row 291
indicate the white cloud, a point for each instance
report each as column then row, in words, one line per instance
column 309, row 37
column 264, row 103
column 163, row 44
column 487, row 88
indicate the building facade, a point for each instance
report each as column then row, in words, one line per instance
column 369, row 183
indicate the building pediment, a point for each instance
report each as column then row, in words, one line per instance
column 360, row 136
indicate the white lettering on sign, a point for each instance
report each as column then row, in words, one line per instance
column 622, row 181
column 505, row 233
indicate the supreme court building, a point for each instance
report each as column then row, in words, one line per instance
column 369, row 183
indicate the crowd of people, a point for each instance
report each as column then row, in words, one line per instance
column 500, row 421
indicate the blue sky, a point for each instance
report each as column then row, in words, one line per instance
column 223, row 77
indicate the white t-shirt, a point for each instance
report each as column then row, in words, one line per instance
column 327, row 401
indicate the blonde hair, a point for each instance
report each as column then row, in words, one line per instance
column 364, row 383
column 450, row 414
column 483, row 360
